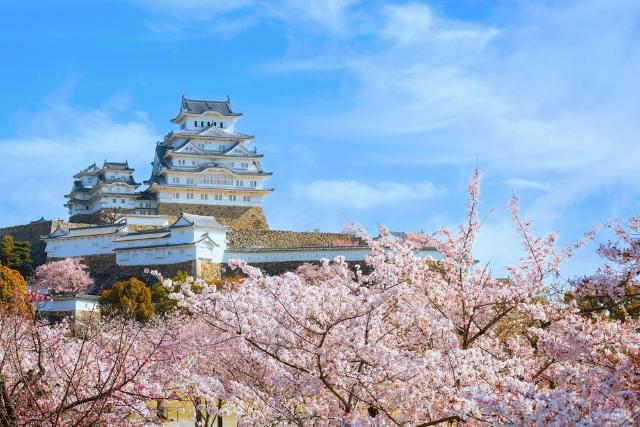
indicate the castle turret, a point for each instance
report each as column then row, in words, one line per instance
column 96, row 189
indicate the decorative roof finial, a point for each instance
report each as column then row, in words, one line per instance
column 228, row 100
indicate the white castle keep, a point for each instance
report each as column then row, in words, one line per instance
column 206, row 162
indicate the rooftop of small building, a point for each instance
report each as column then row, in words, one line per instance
column 187, row 220
column 117, row 165
column 85, row 230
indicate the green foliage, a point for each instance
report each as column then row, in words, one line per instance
column 160, row 294
column 129, row 298
column 21, row 258
column 6, row 249
column 621, row 308
column 16, row 255
column 161, row 301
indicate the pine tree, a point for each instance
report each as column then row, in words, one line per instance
column 21, row 258
column 6, row 249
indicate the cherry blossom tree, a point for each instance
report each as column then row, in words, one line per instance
column 68, row 275
column 103, row 372
column 416, row 341
column 614, row 289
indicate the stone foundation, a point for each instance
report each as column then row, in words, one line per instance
column 234, row 217
column 99, row 218
column 208, row 270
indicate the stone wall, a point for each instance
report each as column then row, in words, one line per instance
column 208, row 270
column 105, row 272
column 32, row 233
column 234, row 217
column 255, row 239
column 99, row 218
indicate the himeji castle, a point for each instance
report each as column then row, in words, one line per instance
column 206, row 162
column 200, row 208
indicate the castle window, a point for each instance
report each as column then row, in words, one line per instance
column 254, row 183
column 193, row 162
column 240, row 183
column 189, row 180
column 113, row 200
column 221, row 125
column 176, row 180
column 232, row 197
column 121, row 200
column 218, row 197
column 246, row 198
column 195, row 124
column 204, row 196
column 214, row 124
column 244, row 165
column 176, row 196
column 189, row 195
column 220, row 147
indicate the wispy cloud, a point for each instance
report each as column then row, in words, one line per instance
column 518, row 183
column 360, row 195
column 38, row 165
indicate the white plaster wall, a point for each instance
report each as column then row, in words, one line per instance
column 228, row 122
column 150, row 256
column 182, row 235
column 166, row 197
column 68, row 305
column 156, row 220
column 62, row 247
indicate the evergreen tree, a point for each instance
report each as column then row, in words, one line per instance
column 6, row 249
column 129, row 298
column 16, row 255
column 21, row 258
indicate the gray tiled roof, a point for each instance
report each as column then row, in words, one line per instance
column 143, row 235
column 129, row 180
column 201, row 220
column 117, row 165
column 90, row 168
column 166, row 245
column 207, row 165
column 199, row 106
column 88, row 231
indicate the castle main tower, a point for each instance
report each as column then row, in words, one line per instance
column 207, row 167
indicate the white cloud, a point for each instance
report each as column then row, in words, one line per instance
column 547, row 95
column 407, row 23
column 56, row 142
column 196, row 9
column 359, row 195
column 517, row 183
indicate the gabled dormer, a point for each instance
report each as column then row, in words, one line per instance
column 188, row 147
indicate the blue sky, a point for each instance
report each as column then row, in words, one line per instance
column 372, row 111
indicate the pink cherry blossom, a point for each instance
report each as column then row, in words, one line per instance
column 68, row 275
